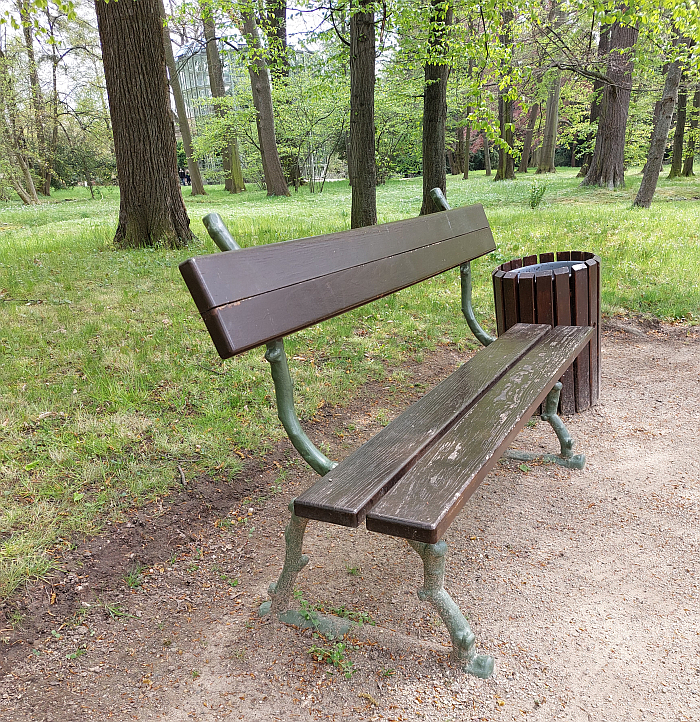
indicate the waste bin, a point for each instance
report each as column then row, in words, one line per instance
column 561, row 292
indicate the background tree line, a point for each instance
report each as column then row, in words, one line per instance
column 91, row 94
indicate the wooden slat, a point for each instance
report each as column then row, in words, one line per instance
column 562, row 317
column 544, row 299
column 510, row 298
column 529, row 260
column 563, row 255
column 526, row 293
column 594, row 320
column 546, row 257
column 250, row 322
column 424, row 502
column 346, row 492
column 222, row 278
column 497, row 277
column 579, row 308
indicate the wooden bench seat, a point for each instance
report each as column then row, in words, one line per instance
column 413, row 477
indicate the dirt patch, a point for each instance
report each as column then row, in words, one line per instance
column 584, row 585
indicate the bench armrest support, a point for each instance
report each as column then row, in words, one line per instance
column 465, row 275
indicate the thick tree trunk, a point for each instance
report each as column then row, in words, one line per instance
column 362, row 79
column 487, row 155
column 608, row 163
column 549, row 139
column 230, row 158
column 693, row 125
column 598, row 85
column 678, row 136
column 261, row 86
column 529, row 132
column 436, row 73
column 659, row 137
column 183, row 123
column 151, row 210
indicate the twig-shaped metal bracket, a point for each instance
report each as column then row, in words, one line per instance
column 433, row 591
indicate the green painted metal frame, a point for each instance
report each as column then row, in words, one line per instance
column 465, row 276
column 567, row 457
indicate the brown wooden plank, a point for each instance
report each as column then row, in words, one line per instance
column 497, row 277
column 544, row 297
column 562, row 317
column 526, row 297
column 529, row 260
column 510, row 299
column 579, row 311
column 516, row 263
column 424, row 502
column 579, row 255
column 563, row 255
column 346, row 492
column 546, row 257
column 223, row 278
column 594, row 320
column 250, row 322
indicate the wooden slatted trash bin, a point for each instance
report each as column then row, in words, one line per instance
column 562, row 292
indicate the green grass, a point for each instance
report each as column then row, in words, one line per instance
column 111, row 384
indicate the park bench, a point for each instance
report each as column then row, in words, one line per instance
column 413, row 477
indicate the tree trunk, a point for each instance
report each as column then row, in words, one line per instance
column 362, row 79
column 506, row 164
column 37, row 96
column 487, row 155
column 598, row 85
column 230, row 158
column 690, row 150
column 192, row 165
column 261, row 86
column 151, row 210
column 436, row 73
column 608, row 163
column 677, row 155
column 467, row 145
column 276, row 34
column 659, row 137
column 549, row 139
column 529, row 132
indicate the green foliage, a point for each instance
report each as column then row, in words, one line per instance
column 537, row 191
column 334, row 655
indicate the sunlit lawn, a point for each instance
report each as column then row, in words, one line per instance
column 110, row 381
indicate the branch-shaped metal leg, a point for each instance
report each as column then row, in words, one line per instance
column 566, row 442
column 294, row 561
column 433, row 591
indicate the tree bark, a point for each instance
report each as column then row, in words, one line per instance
column 261, row 86
column 506, row 164
column 362, row 78
column 436, row 73
column 608, row 163
column 596, row 101
column 690, row 150
column 678, row 136
column 487, row 155
column 183, row 123
column 467, row 145
column 230, row 157
column 529, row 132
column 276, row 34
column 549, row 139
column 659, row 137
column 151, row 210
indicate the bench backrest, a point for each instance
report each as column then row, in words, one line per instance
column 255, row 295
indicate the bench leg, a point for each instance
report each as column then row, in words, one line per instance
column 566, row 441
column 294, row 561
column 433, row 591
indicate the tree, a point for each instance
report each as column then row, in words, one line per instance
column 527, row 143
column 362, row 131
column 506, row 164
column 437, row 71
column 679, row 133
column 183, row 123
column 549, row 139
column 659, row 138
column 687, row 171
column 261, row 86
column 608, row 162
column 151, row 210
column 231, row 159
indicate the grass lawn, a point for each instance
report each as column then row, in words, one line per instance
column 110, row 380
